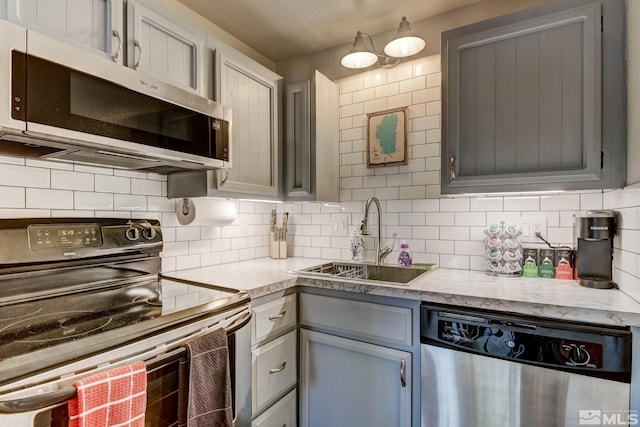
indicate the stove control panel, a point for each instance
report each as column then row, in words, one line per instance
column 65, row 236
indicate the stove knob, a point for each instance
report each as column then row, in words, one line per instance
column 132, row 234
column 579, row 355
column 148, row 233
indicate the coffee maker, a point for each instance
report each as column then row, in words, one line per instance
column 594, row 243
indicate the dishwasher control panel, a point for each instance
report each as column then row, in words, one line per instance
column 577, row 347
column 510, row 343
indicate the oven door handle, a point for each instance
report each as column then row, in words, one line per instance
column 56, row 397
column 35, row 403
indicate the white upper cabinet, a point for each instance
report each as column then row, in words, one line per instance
column 251, row 92
column 155, row 41
column 95, row 24
column 164, row 48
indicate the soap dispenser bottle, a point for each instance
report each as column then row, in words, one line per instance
column 404, row 259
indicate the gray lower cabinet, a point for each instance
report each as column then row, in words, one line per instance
column 535, row 100
column 312, row 138
column 345, row 382
column 358, row 361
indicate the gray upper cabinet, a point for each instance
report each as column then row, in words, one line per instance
column 165, row 49
column 95, row 24
column 312, row 134
column 251, row 92
column 535, row 100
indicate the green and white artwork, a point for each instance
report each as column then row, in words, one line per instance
column 387, row 138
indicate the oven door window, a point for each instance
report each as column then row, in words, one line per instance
column 65, row 98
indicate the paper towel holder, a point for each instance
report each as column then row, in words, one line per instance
column 205, row 211
column 185, row 206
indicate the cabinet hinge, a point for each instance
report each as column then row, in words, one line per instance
column 601, row 160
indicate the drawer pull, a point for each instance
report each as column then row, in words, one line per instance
column 278, row 316
column 280, row 369
column 403, row 373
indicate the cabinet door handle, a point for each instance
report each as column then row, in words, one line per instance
column 452, row 161
column 280, row 369
column 116, row 56
column 136, row 44
column 403, row 373
column 278, row 316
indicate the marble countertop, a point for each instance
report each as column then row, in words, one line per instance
column 560, row 299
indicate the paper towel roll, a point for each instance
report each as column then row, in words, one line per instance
column 204, row 211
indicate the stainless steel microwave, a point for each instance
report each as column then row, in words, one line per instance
column 62, row 102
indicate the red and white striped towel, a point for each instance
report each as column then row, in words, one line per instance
column 114, row 398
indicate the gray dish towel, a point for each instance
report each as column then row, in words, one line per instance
column 209, row 402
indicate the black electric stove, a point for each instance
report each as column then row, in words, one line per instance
column 71, row 287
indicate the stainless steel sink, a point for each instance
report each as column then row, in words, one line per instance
column 366, row 272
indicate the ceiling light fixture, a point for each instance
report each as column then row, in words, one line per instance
column 363, row 54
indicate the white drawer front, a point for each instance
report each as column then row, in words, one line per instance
column 378, row 322
column 274, row 369
column 282, row 414
column 273, row 317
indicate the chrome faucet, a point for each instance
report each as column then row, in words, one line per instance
column 381, row 252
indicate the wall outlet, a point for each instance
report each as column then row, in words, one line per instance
column 339, row 223
column 530, row 225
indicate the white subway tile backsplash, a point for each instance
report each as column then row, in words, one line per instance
column 39, row 198
column 484, row 204
column 413, row 84
column 425, row 123
column 146, row 187
column 112, row 184
column 411, row 218
column 591, row 201
column 434, row 80
column 463, row 247
column 439, row 218
column 10, row 160
column 375, row 105
column 454, row 233
column 126, row 202
column 561, row 202
column 425, row 233
column 522, row 203
column 362, row 95
column 460, row 204
column 470, row 218
column 400, row 72
column 93, row 201
column 24, row 176
column 12, row 197
column 413, row 192
column 69, row 180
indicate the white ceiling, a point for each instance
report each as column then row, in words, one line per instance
column 284, row 29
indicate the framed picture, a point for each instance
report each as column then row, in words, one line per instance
column 387, row 138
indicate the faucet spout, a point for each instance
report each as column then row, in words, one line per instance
column 364, row 229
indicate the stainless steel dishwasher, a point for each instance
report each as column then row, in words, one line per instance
column 489, row 369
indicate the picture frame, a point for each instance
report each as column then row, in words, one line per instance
column 387, row 138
